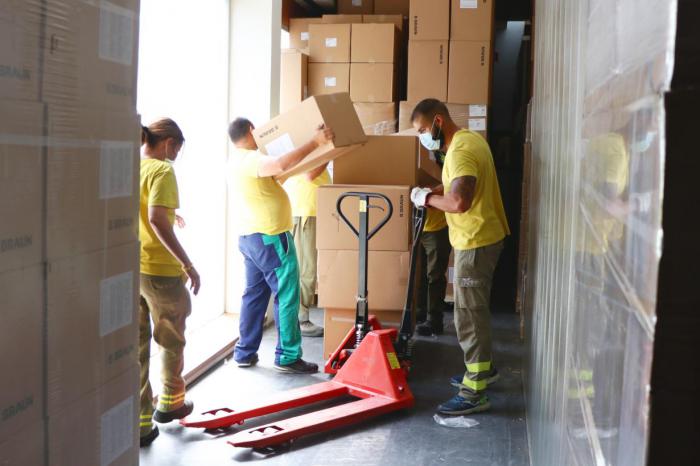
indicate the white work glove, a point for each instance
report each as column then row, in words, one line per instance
column 420, row 195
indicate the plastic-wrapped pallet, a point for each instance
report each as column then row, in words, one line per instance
column 601, row 69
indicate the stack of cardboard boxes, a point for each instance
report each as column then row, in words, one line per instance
column 69, row 142
column 388, row 165
column 449, row 58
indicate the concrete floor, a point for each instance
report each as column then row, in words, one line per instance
column 409, row 437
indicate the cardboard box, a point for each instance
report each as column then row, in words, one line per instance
column 387, row 279
column 374, row 43
column 24, row 447
column 21, row 349
column 429, row 20
column 329, row 43
column 92, row 180
column 21, row 184
column 296, row 127
column 329, row 78
column 99, row 428
column 342, row 19
column 470, row 72
column 372, row 82
column 460, row 113
column 91, row 53
column 377, row 118
column 93, row 324
column 338, row 322
column 472, row 20
column 20, row 51
column 392, row 7
column 395, row 160
column 294, row 85
column 334, row 234
column 427, row 70
column 396, row 20
column 355, row 6
column 299, row 32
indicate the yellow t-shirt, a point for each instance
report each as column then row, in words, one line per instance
column 264, row 205
column 302, row 193
column 485, row 222
column 158, row 188
column 435, row 220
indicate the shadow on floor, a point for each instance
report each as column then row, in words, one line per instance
column 409, row 437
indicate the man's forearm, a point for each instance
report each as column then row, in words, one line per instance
column 292, row 158
column 167, row 237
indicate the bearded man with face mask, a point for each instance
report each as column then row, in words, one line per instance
column 471, row 199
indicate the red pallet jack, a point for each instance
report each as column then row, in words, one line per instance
column 371, row 363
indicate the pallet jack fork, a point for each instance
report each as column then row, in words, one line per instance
column 366, row 365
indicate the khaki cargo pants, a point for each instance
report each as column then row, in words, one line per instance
column 433, row 282
column 305, row 244
column 166, row 301
column 472, row 287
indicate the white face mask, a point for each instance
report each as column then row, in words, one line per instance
column 427, row 140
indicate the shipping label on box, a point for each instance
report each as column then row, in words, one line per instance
column 21, row 349
column 472, row 20
column 429, row 20
column 329, row 78
column 329, row 43
column 99, row 291
column 334, row 234
column 299, row 32
column 427, row 70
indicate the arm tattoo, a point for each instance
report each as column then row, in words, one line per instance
column 464, row 187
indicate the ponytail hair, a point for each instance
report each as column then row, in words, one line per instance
column 159, row 131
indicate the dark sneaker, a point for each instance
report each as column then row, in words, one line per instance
column 183, row 411
column 148, row 439
column 309, row 329
column 456, row 381
column 459, row 406
column 251, row 361
column 429, row 328
column 298, row 367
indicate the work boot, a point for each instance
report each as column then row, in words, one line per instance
column 429, row 327
column 251, row 361
column 459, row 406
column 163, row 417
column 309, row 329
column 456, row 381
column 148, row 439
column 298, row 367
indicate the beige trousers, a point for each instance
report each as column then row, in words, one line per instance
column 305, row 243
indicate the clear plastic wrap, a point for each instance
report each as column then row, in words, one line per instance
column 601, row 68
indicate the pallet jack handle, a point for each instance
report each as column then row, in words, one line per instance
column 364, row 235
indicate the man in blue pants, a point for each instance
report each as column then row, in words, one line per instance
column 267, row 245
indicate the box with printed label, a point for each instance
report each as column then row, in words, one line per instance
column 333, row 233
column 396, row 20
column 427, row 70
column 395, row 160
column 392, row 7
column 100, row 428
column 299, row 32
column 372, row 82
column 461, row 114
column 374, row 43
column 341, row 19
column 338, row 322
column 91, row 53
column 21, row 349
column 470, row 72
column 290, row 130
column 329, row 78
column 429, row 20
column 472, row 20
column 377, row 118
column 356, row 6
column 387, row 279
column 329, row 43
column 294, row 85
column 24, row 447
column 92, row 312
column 92, row 180
column 20, row 53
column 21, row 180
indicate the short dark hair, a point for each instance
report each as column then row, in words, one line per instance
column 239, row 128
column 429, row 108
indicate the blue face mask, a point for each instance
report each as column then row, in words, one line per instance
column 429, row 140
